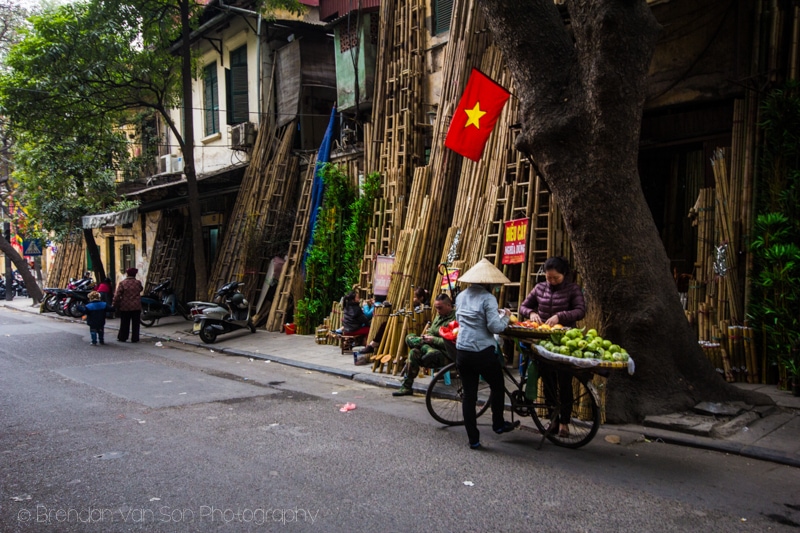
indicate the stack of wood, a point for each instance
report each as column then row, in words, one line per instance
column 715, row 303
column 69, row 262
column 171, row 248
column 291, row 280
column 396, row 135
column 459, row 205
column 267, row 192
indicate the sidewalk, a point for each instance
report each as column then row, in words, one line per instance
column 770, row 433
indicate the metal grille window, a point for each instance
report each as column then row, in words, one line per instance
column 442, row 10
column 211, row 99
column 236, row 85
column 127, row 255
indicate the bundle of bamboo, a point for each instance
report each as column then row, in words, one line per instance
column 397, row 128
column 267, row 191
column 292, row 271
column 69, row 261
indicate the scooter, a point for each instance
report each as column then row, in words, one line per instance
column 230, row 312
column 160, row 302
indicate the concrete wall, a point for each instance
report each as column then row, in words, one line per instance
column 212, row 153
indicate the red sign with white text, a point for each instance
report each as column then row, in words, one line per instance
column 516, row 235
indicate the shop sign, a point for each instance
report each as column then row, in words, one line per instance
column 516, row 235
column 383, row 275
column 450, row 279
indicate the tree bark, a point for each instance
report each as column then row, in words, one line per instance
column 581, row 90
column 94, row 254
column 22, row 266
column 201, row 276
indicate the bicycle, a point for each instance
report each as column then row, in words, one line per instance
column 444, row 400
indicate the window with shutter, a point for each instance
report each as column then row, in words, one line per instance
column 442, row 10
column 127, row 253
column 237, row 89
column 211, row 99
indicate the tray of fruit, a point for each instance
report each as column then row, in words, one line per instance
column 587, row 350
column 528, row 329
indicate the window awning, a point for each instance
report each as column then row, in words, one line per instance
column 117, row 218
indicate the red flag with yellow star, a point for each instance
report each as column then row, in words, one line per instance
column 476, row 115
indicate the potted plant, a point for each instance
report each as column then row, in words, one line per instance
column 793, row 374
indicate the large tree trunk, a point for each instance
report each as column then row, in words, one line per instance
column 581, row 92
column 201, row 276
column 22, row 266
column 94, row 254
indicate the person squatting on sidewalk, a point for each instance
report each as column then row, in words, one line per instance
column 95, row 312
column 428, row 350
column 128, row 301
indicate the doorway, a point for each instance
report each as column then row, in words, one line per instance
column 111, row 271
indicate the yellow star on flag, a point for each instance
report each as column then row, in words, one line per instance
column 474, row 115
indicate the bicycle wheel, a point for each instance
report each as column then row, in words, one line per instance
column 444, row 401
column 584, row 418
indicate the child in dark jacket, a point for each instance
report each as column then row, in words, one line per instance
column 95, row 312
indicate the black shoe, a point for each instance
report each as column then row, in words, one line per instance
column 476, row 446
column 507, row 426
column 403, row 391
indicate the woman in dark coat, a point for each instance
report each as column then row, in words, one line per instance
column 556, row 301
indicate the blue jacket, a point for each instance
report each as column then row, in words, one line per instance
column 95, row 314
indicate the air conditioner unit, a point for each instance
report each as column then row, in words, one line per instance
column 170, row 163
column 243, row 136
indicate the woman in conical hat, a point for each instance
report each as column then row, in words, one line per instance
column 478, row 321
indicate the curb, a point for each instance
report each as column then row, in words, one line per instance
column 705, row 443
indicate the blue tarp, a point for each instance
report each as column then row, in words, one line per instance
column 318, row 189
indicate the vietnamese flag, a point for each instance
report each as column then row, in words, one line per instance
column 476, row 115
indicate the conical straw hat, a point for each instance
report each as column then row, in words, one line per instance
column 484, row 272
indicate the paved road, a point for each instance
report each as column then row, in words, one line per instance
column 140, row 437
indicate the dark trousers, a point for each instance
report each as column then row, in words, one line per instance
column 472, row 366
column 557, row 385
column 129, row 322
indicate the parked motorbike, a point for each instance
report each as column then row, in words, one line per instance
column 75, row 300
column 58, row 300
column 17, row 285
column 77, row 295
column 230, row 312
column 53, row 301
column 162, row 301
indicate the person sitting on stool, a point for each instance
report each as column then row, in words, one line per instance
column 356, row 323
column 428, row 350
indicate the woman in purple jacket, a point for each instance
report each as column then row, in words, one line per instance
column 556, row 301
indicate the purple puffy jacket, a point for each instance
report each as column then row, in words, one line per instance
column 565, row 299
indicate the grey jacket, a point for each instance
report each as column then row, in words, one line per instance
column 478, row 319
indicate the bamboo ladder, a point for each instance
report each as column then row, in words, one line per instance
column 292, row 269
